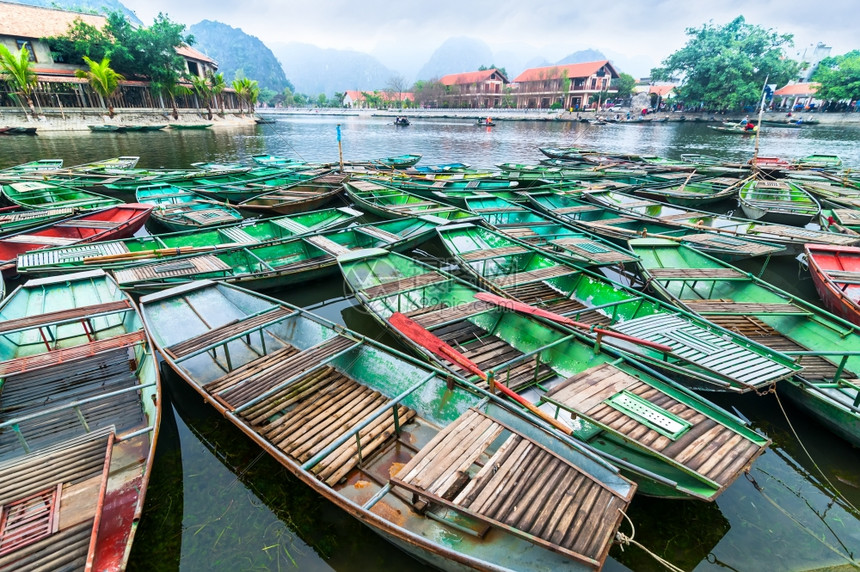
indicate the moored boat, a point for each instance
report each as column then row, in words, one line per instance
column 389, row 202
column 417, row 456
column 828, row 347
column 779, row 202
column 36, row 195
column 177, row 209
column 113, row 222
column 296, row 197
column 836, row 274
column 79, row 410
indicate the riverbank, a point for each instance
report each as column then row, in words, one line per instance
column 80, row 120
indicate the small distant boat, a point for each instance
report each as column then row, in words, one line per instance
column 105, row 128
column 836, row 274
column 486, row 122
column 18, row 131
column 402, row 121
column 190, row 125
column 779, row 202
column 178, row 209
column 276, row 161
column 120, row 221
column 264, row 120
column 398, row 162
column 734, row 129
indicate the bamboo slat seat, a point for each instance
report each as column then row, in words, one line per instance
column 209, row 216
column 844, row 276
column 81, row 223
column 64, row 316
column 378, row 233
column 592, row 250
column 709, row 307
column 435, row 315
column 517, row 278
column 706, row 447
column 41, row 239
column 577, row 209
column 327, row 245
column 306, row 416
column 727, row 242
column 696, row 274
column 230, row 329
column 182, row 267
column 407, row 283
column 53, row 357
column 518, row 486
column 484, row 253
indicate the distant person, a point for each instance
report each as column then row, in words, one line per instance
column 749, row 126
column 628, row 115
column 745, row 120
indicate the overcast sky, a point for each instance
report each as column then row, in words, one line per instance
column 636, row 35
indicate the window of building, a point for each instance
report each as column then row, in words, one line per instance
column 193, row 68
column 26, row 44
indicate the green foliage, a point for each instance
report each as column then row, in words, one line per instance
column 202, row 87
column 17, row 70
column 623, row 85
column 300, row 99
column 724, row 67
column 102, row 78
column 493, row 67
column 247, row 90
column 81, row 40
column 839, row 77
column 322, row 100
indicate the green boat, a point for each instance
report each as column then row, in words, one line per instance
column 40, row 166
column 17, row 220
column 368, row 429
column 705, row 354
column 37, row 195
column 397, row 162
column 843, row 221
column 388, row 202
column 186, row 126
column 566, row 153
column 537, row 361
column 831, row 194
column 105, row 128
column 79, row 413
column 621, row 226
column 235, row 186
column 120, row 253
column 550, row 235
column 691, row 193
column 828, row 347
column 276, row 161
column 780, row 202
column 122, row 162
column 296, row 197
column 792, row 238
column 177, row 209
column 819, row 161
column 275, row 264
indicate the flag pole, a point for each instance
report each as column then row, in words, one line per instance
column 339, row 148
column 758, row 129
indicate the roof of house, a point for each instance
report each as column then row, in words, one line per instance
column 470, row 77
column 192, row 54
column 798, row 89
column 353, row 95
column 22, row 21
column 573, row 70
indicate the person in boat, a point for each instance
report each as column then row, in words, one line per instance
column 744, row 121
column 749, row 126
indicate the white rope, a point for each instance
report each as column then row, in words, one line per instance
column 623, row 540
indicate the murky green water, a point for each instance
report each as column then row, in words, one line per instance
column 216, row 502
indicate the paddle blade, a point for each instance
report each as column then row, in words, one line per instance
column 418, row 334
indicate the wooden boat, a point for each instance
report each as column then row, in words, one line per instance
column 239, row 184
column 549, row 235
column 831, row 194
column 80, row 411
column 440, row 168
column 38, row 195
column 843, row 221
column 18, row 131
column 105, row 128
column 389, row 202
column 120, row 253
column 122, row 162
column 827, row 346
column 301, row 196
column 40, row 165
column 401, row 121
column 621, row 225
column 836, row 274
column 265, row 120
column 486, row 122
column 566, row 153
column 792, row 238
column 187, row 126
column 819, row 161
column 15, row 220
column 397, row 162
column 177, row 209
column 524, row 355
column 276, row 161
column 113, row 222
column 153, row 127
column 383, row 437
column 733, row 129
column 691, row 193
column 520, row 272
column 274, row 264
column 779, row 202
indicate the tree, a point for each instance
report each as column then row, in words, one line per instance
column 103, row 79
column 337, row 100
column 839, row 77
column 322, row 100
column 17, row 70
column 623, row 85
column 203, row 90
column 247, row 91
column 395, row 88
column 493, row 67
column 218, row 85
column 726, row 66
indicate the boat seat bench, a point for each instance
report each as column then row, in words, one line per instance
column 483, row 253
column 407, row 283
column 47, row 359
column 64, row 316
column 517, row 485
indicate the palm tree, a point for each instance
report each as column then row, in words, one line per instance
column 103, row 79
column 218, row 84
column 171, row 89
column 241, row 91
column 17, row 70
column 201, row 87
column 247, row 91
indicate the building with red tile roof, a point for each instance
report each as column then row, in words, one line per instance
column 357, row 99
column 571, row 85
column 483, row 89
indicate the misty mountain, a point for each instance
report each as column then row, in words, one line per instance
column 457, row 55
column 239, row 54
column 86, row 6
column 316, row 70
column 582, row 56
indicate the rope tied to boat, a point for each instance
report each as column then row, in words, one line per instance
column 624, row 540
column 770, row 389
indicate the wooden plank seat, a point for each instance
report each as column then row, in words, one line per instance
column 703, row 445
column 592, row 250
column 378, row 233
column 40, row 239
column 81, row 223
column 542, row 295
column 238, row 235
column 844, row 276
column 327, row 245
column 485, row 253
column 412, row 204
column 532, row 275
column 308, row 415
column 228, row 330
column 209, row 216
column 53, row 357
column 611, row 221
column 713, row 307
column 408, row 283
column 436, row 315
column 523, row 233
column 518, row 486
column 577, row 209
column 249, row 381
column 727, row 242
column 64, row 316
column 172, row 269
column 697, row 274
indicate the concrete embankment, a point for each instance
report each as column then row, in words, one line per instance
column 80, row 120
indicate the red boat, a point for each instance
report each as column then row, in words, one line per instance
column 836, row 274
column 120, row 221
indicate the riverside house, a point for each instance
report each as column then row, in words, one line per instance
column 570, row 86
column 478, row 89
column 58, row 89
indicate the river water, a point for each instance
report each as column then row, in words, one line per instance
column 216, row 502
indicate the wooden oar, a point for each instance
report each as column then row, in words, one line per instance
column 415, row 332
column 157, row 253
column 522, row 308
